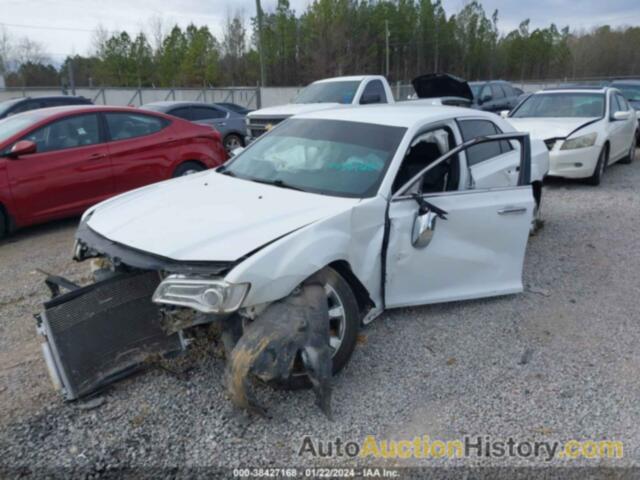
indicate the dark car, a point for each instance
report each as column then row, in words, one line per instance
column 631, row 91
column 230, row 124
column 234, row 107
column 494, row 95
column 24, row 104
column 57, row 162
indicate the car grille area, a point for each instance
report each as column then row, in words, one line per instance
column 98, row 334
column 258, row 126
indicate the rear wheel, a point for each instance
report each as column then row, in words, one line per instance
column 596, row 178
column 188, row 168
column 344, row 322
column 631, row 156
column 232, row 141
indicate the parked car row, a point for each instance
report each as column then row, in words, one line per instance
column 328, row 218
column 57, row 162
column 586, row 129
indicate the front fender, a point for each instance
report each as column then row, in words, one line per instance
column 354, row 235
column 277, row 269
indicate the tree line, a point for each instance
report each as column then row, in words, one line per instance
column 332, row 37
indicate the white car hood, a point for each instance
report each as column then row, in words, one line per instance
column 209, row 216
column 291, row 109
column 544, row 128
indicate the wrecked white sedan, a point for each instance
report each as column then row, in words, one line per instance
column 312, row 231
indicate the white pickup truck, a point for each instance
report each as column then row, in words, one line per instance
column 322, row 95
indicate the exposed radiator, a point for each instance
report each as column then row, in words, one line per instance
column 98, row 334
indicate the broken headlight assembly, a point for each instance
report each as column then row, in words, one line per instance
column 582, row 141
column 204, row 295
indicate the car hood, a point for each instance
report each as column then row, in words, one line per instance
column 434, row 85
column 208, row 216
column 545, row 128
column 290, row 109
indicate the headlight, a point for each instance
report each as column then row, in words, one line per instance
column 204, row 295
column 583, row 141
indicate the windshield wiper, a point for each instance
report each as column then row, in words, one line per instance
column 224, row 171
column 277, row 183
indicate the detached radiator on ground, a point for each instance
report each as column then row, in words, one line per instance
column 100, row 333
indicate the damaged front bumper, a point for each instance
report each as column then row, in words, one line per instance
column 140, row 305
column 97, row 334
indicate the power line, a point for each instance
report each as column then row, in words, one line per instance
column 44, row 27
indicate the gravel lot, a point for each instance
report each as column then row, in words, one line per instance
column 559, row 362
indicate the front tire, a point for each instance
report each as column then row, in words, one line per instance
column 232, row 141
column 596, row 178
column 188, row 168
column 344, row 323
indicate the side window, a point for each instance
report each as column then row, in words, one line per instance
column 471, row 129
column 508, row 90
column 374, row 88
column 71, row 132
column 497, row 92
column 486, row 90
column 206, row 113
column 615, row 105
column 624, row 106
column 131, row 125
column 182, row 112
column 424, row 150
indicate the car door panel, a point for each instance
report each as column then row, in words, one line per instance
column 500, row 171
column 477, row 251
column 139, row 154
column 62, row 181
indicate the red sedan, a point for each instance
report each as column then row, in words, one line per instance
column 57, row 162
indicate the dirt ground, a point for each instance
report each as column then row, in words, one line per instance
column 560, row 360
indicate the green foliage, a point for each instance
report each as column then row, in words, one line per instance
column 342, row 37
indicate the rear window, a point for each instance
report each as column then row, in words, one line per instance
column 471, row 129
column 131, row 125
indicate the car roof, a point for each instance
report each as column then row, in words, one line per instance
column 53, row 112
column 630, row 81
column 576, row 88
column 350, row 78
column 403, row 114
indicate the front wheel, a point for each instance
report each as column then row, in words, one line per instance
column 344, row 322
column 188, row 168
column 596, row 178
column 232, row 141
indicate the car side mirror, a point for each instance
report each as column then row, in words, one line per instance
column 424, row 225
column 504, row 113
column 23, row 147
column 622, row 115
column 236, row 151
column 371, row 98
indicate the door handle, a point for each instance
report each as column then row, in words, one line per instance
column 512, row 210
column 97, row 156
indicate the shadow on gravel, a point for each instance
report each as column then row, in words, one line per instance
column 28, row 233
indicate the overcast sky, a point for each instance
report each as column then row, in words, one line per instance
column 68, row 24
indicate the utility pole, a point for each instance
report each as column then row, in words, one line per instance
column 263, row 75
column 72, row 80
column 386, row 37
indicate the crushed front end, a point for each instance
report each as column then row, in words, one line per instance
column 143, row 307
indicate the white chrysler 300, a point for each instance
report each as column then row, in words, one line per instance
column 586, row 129
column 383, row 206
